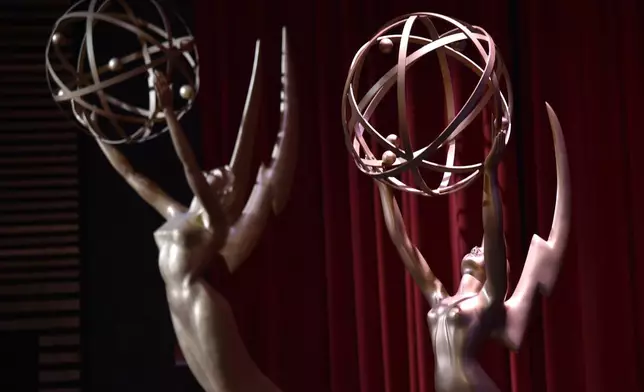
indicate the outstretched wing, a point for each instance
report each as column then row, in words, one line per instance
column 544, row 257
column 284, row 154
column 274, row 182
column 240, row 163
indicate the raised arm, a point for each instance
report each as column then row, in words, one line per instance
column 427, row 282
column 148, row 190
column 495, row 286
column 544, row 257
column 273, row 185
column 194, row 176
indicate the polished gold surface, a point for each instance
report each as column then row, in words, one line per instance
column 219, row 220
column 478, row 311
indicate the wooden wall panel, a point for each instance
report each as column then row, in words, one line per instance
column 39, row 199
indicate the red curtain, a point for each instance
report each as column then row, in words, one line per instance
column 324, row 303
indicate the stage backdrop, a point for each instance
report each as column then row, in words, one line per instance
column 325, row 304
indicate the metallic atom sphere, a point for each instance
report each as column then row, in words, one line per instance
column 385, row 159
column 103, row 76
column 57, row 39
column 187, row 92
column 114, row 64
column 386, row 45
column 388, row 158
column 393, row 139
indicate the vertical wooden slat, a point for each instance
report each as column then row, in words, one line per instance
column 39, row 213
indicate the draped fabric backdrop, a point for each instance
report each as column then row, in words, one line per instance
column 324, row 303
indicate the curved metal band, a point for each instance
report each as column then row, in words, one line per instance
column 90, row 83
column 356, row 119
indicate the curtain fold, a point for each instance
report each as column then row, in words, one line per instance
column 325, row 304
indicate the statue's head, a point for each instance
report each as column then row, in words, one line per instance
column 473, row 269
column 474, row 264
column 221, row 181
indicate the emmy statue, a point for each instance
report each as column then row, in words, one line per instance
column 479, row 309
column 219, row 220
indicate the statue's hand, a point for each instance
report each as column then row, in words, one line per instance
column 496, row 153
column 163, row 90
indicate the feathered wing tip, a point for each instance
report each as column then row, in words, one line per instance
column 560, row 229
column 544, row 258
column 240, row 163
column 284, row 155
column 273, row 184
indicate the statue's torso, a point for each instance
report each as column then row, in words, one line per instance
column 184, row 245
column 451, row 325
column 202, row 318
